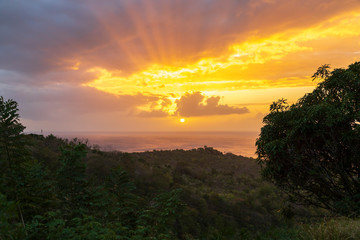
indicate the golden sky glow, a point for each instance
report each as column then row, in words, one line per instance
column 145, row 65
column 230, row 72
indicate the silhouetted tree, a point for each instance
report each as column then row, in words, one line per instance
column 10, row 132
column 12, row 152
column 312, row 148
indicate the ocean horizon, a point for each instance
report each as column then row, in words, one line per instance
column 238, row 142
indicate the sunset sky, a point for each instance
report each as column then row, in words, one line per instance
column 143, row 65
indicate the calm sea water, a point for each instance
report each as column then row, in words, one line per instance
column 240, row 143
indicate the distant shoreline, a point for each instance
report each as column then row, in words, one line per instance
column 138, row 132
column 238, row 143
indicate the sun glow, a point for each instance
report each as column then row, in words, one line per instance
column 240, row 71
column 229, row 71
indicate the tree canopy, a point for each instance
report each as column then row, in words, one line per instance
column 10, row 130
column 311, row 149
column 53, row 188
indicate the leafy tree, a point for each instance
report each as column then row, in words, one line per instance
column 311, row 149
column 71, row 180
column 161, row 219
column 125, row 204
column 50, row 189
column 36, row 191
column 10, row 132
column 12, row 152
column 52, row 226
column 10, row 228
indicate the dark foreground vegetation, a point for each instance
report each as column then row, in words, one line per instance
column 67, row 190
column 52, row 188
column 311, row 149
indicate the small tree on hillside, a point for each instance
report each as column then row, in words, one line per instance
column 10, row 131
column 23, row 180
column 312, row 149
column 11, row 150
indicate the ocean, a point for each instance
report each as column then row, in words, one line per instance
column 239, row 143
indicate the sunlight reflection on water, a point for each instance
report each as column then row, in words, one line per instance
column 240, row 143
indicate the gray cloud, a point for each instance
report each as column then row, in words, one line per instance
column 192, row 105
column 41, row 41
column 153, row 114
column 196, row 104
column 42, row 36
column 63, row 101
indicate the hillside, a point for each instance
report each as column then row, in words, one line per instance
column 69, row 190
column 222, row 193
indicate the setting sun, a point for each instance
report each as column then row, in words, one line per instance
column 168, row 95
column 140, row 65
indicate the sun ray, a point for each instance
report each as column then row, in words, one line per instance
column 199, row 75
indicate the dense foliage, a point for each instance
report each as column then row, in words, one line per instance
column 312, row 149
column 51, row 188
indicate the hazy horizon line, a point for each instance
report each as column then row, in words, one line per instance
column 126, row 132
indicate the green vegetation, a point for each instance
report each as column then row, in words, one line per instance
column 52, row 188
column 76, row 192
column 311, row 149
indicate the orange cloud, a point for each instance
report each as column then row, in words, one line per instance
column 209, row 73
column 191, row 105
column 136, row 59
column 196, row 104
